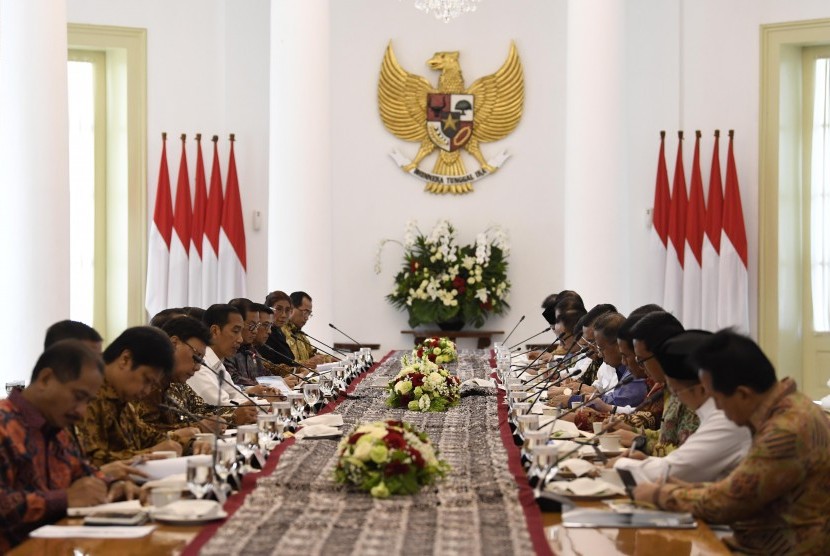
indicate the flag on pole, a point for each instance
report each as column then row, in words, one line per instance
column 179, row 271
column 676, row 249
column 693, row 258
column 158, row 248
column 232, row 256
column 210, row 243
column 733, row 279
column 197, row 231
column 659, row 237
column 711, row 243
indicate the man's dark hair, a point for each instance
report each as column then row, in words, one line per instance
column 66, row 358
column 734, row 360
column 608, row 324
column 244, row 305
column 70, row 330
column 624, row 332
column 655, row 328
column 164, row 315
column 194, row 312
column 185, row 328
column 595, row 312
column 570, row 317
column 147, row 345
column 275, row 296
column 219, row 314
column 297, row 298
column 261, row 308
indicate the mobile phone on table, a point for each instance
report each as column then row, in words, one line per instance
column 116, row 518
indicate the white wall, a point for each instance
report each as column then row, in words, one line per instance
column 373, row 199
column 207, row 72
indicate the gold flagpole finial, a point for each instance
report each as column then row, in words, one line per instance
column 680, row 135
column 697, row 133
column 233, row 137
column 731, row 133
column 717, row 133
column 184, row 137
column 164, row 136
column 215, row 138
column 662, row 134
column 198, row 137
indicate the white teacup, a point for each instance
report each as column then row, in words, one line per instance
column 598, row 427
column 610, row 443
column 161, row 496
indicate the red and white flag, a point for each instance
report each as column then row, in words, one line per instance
column 197, row 231
column 232, row 253
column 210, row 244
column 158, row 248
column 733, row 290
column 711, row 243
column 179, row 272
column 676, row 249
column 658, row 239
column 693, row 258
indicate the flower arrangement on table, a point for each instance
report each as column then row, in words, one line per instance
column 388, row 457
column 424, row 386
column 440, row 280
column 437, row 350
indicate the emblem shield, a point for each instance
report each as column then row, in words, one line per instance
column 449, row 120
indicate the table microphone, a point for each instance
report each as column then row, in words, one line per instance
column 324, row 344
column 553, row 343
column 599, row 394
column 571, row 358
column 512, row 331
column 220, row 373
column 174, row 406
column 547, row 329
column 291, row 362
column 346, row 335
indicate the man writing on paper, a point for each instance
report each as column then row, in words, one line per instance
column 776, row 499
column 42, row 471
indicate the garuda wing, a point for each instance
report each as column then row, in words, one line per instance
column 402, row 99
column 499, row 100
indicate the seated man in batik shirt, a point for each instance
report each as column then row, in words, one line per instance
column 776, row 499
column 190, row 338
column 136, row 362
column 42, row 471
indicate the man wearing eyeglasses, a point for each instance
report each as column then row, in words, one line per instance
column 302, row 349
column 244, row 366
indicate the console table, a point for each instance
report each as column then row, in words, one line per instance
column 484, row 337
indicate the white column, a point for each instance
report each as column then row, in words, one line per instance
column 299, row 200
column 595, row 169
column 34, row 165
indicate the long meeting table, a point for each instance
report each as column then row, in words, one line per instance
column 483, row 506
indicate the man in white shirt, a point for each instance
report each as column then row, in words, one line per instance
column 716, row 447
column 225, row 324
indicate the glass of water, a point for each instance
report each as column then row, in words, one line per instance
column 326, row 385
column 14, row 385
column 311, row 395
column 199, row 477
column 270, row 431
column 247, row 441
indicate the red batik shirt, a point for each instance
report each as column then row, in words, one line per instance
column 37, row 464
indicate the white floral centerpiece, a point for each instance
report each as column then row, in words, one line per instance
column 438, row 350
column 388, row 457
column 441, row 281
column 422, row 385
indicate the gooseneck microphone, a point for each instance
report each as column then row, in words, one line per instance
column 346, row 335
column 292, row 362
column 546, row 329
column 323, row 344
column 220, row 374
column 513, row 330
column 553, row 343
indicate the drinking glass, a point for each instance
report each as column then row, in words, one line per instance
column 283, row 411
column 311, row 395
column 297, row 401
column 270, row 431
column 10, row 386
column 199, row 478
column 339, row 377
column 326, row 385
column 247, row 441
column 543, row 464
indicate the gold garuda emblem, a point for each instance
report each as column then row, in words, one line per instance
column 450, row 118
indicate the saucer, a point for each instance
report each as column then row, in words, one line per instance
column 172, row 519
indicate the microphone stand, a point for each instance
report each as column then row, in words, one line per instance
column 529, row 365
column 547, row 329
column 292, row 362
column 513, row 330
column 323, row 344
column 572, row 358
column 346, row 335
column 220, row 375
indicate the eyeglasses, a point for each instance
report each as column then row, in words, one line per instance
column 306, row 313
column 641, row 361
column 197, row 357
column 252, row 326
column 266, row 325
column 282, row 310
